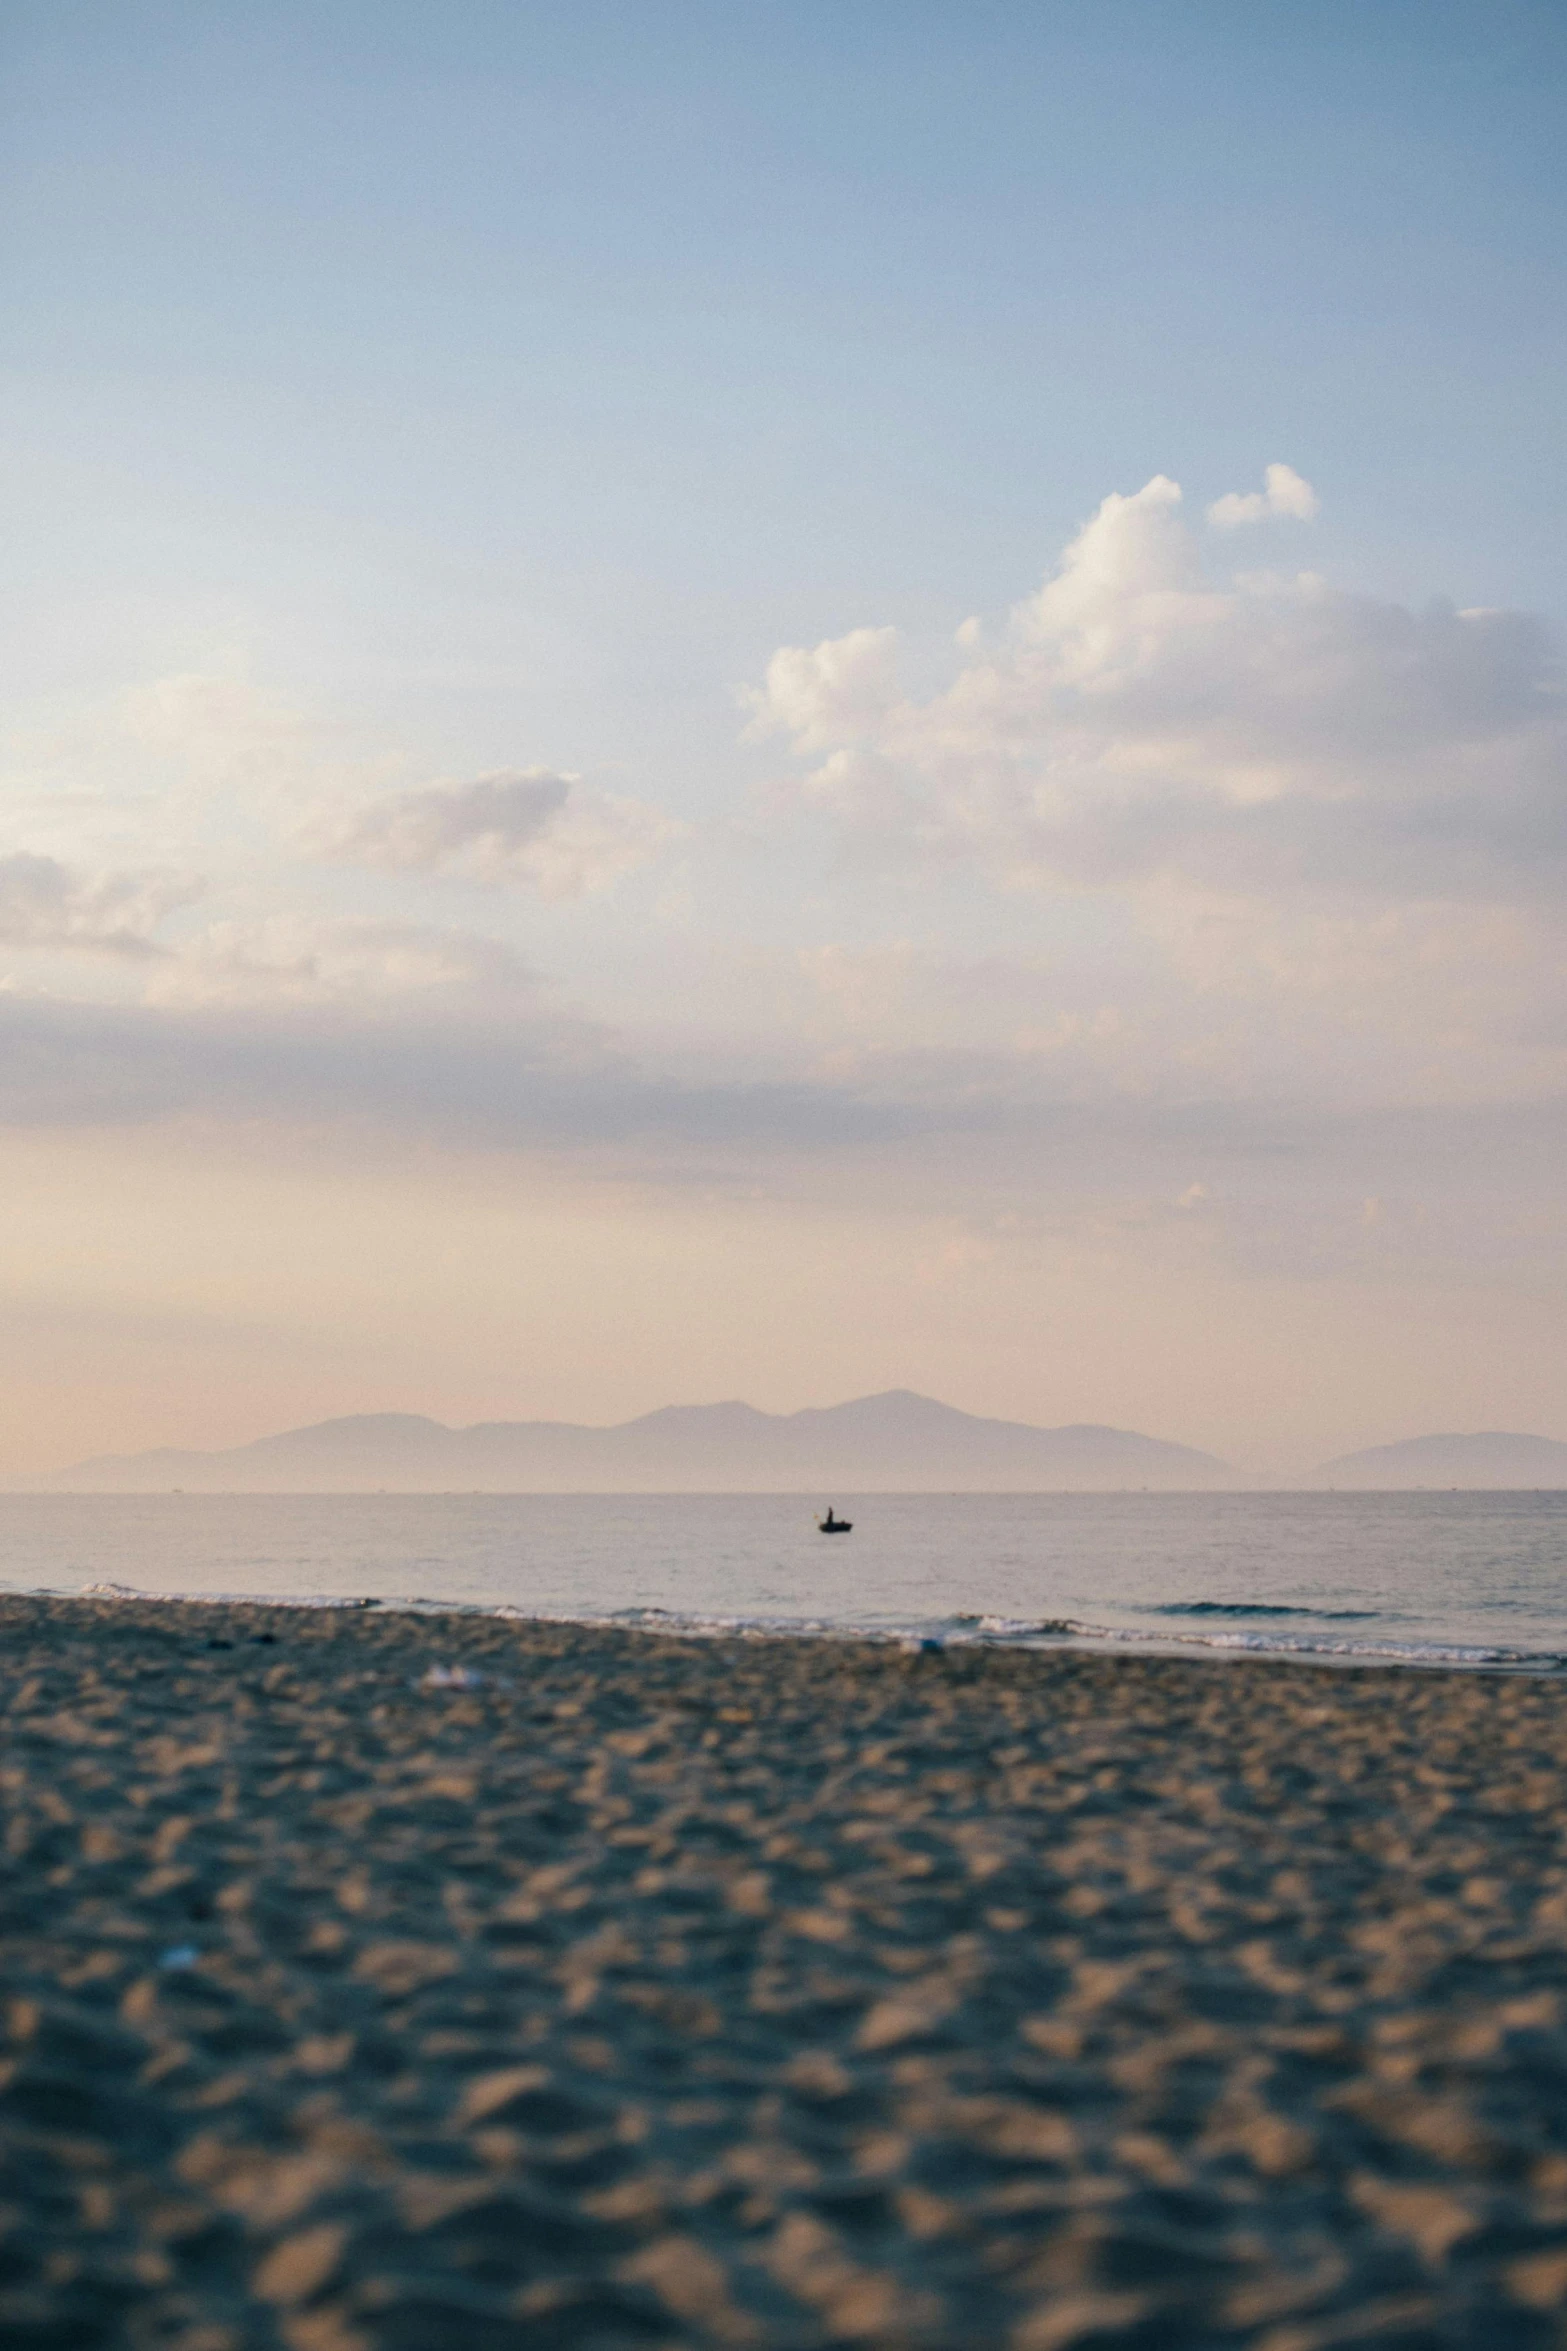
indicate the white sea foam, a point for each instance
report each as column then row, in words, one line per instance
column 987, row 1632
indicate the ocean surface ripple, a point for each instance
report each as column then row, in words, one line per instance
column 1432, row 1579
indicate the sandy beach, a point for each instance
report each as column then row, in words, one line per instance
column 777, row 1994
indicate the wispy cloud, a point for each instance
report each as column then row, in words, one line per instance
column 50, row 905
column 531, row 1076
column 310, row 959
column 528, row 827
column 1279, row 858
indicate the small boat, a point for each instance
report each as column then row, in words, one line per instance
column 835, row 1526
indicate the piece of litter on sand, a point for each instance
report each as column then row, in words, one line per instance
column 179, row 1958
column 450, row 1677
column 922, row 1645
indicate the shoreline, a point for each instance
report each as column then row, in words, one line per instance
column 1042, row 1638
column 383, row 1980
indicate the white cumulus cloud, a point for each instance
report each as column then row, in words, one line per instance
column 825, row 693
column 1140, row 722
column 1286, row 495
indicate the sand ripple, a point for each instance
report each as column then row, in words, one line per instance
column 626, row 1991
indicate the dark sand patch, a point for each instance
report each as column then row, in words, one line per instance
column 780, row 1994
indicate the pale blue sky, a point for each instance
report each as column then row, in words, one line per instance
column 396, row 394
column 375, row 325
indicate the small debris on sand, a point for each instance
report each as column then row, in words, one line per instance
column 450, row 1677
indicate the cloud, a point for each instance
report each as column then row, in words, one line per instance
column 1286, row 495
column 200, row 711
column 1141, row 723
column 45, row 904
column 531, row 826
column 301, row 959
column 370, row 1039
column 527, row 1076
column 201, row 740
column 863, row 984
column 830, row 693
column 962, row 1133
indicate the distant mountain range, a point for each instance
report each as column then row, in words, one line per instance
column 894, row 1443
column 898, row 1442
column 1494, row 1458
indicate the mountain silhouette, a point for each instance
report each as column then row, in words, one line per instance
column 897, row 1442
column 1494, row 1458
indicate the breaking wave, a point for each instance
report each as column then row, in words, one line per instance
column 1259, row 1608
column 956, row 1632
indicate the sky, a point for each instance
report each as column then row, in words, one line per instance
column 778, row 700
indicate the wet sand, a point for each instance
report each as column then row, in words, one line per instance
column 783, row 1994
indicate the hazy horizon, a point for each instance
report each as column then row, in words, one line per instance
column 717, row 1432
column 779, row 703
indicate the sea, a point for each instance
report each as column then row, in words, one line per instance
column 1429, row 1579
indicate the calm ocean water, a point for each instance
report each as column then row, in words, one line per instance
column 1437, row 1578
